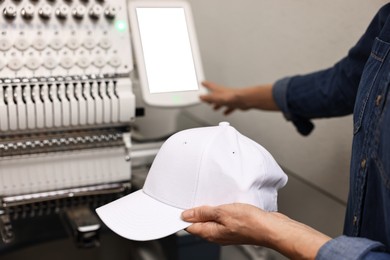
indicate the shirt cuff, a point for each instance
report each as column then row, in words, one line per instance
column 344, row 247
column 279, row 93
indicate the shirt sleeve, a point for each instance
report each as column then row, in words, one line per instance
column 344, row 247
column 330, row 92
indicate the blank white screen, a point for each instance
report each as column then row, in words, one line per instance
column 167, row 50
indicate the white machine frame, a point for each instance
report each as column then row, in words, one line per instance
column 166, row 99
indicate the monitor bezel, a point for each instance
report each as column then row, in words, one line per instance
column 166, row 99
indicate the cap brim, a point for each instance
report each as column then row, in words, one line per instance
column 138, row 216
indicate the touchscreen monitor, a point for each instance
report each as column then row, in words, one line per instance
column 166, row 52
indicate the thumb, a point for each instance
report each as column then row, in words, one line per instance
column 200, row 214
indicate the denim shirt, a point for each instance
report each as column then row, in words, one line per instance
column 358, row 84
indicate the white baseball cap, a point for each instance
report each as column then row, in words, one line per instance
column 201, row 166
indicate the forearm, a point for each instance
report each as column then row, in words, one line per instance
column 245, row 224
column 291, row 238
column 259, row 97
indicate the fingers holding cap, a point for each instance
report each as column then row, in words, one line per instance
column 206, row 230
column 200, row 214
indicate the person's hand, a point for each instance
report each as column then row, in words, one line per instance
column 246, row 224
column 239, row 98
column 220, row 96
column 226, row 224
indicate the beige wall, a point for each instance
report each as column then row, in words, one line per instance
column 247, row 42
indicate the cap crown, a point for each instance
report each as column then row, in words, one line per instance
column 213, row 166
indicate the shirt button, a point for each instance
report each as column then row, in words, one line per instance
column 354, row 220
column 378, row 100
column 363, row 163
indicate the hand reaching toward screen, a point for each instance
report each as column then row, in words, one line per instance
column 219, row 96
